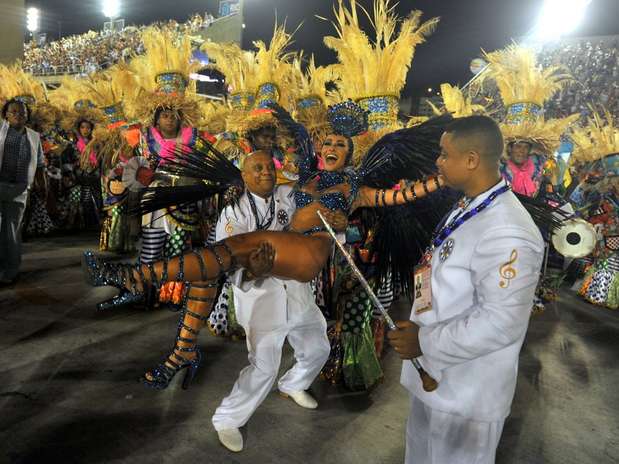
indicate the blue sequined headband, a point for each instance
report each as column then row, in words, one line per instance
column 347, row 118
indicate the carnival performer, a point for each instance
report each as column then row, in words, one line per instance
column 299, row 253
column 472, row 307
column 597, row 152
column 269, row 309
column 524, row 86
column 372, row 70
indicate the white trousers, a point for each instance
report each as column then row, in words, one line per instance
column 311, row 350
column 436, row 437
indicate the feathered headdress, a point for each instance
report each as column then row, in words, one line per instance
column 596, row 140
column 312, row 96
column 373, row 73
column 456, row 103
column 71, row 98
column 274, row 70
column 524, row 86
column 240, row 68
column 163, row 72
column 16, row 83
column 113, row 92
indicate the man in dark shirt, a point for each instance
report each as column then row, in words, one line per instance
column 21, row 166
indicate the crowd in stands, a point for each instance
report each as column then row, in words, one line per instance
column 594, row 64
column 89, row 52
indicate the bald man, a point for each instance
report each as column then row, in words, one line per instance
column 469, row 323
column 270, row 309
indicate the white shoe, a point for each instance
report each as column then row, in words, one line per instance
column 231, row 439
column 302, row 398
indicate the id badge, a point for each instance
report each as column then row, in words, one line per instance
column 423, row 288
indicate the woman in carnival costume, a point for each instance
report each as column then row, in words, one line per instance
column 169, row 111
column 83, row 182
column 597, row 148
column 372, row 73
column 114, row 144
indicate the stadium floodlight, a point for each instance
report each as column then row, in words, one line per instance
column 559, row 17
column 111, row 8
column 32, row 19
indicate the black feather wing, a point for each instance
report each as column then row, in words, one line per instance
column 210, row 170
column 409, row 153
column 306, row 159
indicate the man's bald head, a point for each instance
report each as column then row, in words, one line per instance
column 258, row 173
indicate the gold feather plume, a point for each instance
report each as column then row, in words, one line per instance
column 71, row 91
column 166, row 52
column 16, row 82
column 370, row 68
column 238, row 65
column 114, row 85
column 312, row 83
column 456, row 103
column 274, row 64
column 596, row 139
column 520, row 79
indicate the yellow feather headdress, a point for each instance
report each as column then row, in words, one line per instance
column 373, row 72
column 524, row 86
column 369, row 68
column 113, row 91
column 275, row 73
column 456, row 103
column 238, row 65
column 164, row 76
column 312, row 96
column 71, row 98
column 595, row 140
column 16, row 83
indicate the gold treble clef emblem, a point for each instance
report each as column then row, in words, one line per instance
column 507, row 272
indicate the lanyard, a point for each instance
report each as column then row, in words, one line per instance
column 461, row 218
column 266, row 221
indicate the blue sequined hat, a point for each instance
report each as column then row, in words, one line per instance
column 347, row 118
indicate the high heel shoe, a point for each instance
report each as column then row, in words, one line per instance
column 99, row 273
column 162, row 375
column 124, row 298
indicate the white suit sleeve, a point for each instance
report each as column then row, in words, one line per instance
column 232, row 222
column 505, row 271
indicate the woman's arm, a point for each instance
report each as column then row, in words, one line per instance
column 377, row 198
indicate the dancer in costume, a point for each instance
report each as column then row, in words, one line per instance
column 372, row 70
column 597, row 148
column 302, row 251
column 524, row 87
column 169, row 110
column 112, row 92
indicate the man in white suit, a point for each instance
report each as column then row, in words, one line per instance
column 270, row 310
column 468, row 329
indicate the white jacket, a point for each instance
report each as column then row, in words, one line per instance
column 35, row 148
column 269, row 303
column 472, row 337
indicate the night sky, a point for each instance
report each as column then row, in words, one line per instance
column 465, row 27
